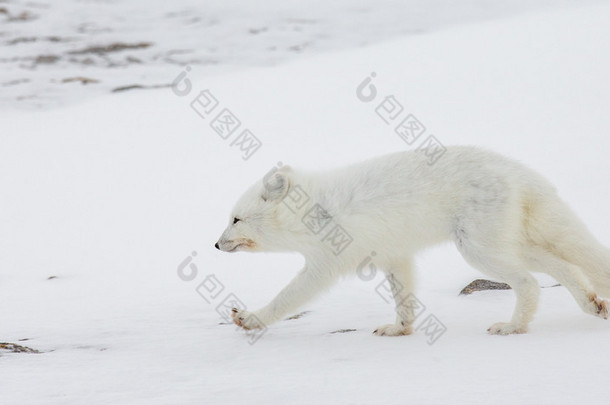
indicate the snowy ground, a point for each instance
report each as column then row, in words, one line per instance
column 110, row 196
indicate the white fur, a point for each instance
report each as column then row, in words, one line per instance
column 505, row 219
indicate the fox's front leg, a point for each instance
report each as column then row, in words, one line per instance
column 400, row 278
column 308, row 283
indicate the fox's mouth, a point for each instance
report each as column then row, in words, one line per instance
column 248, row 243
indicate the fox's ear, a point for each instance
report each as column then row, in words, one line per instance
column 275, row 185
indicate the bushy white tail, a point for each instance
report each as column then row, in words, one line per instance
column 552, row 225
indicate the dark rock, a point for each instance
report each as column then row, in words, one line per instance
column 46, row 59
column 14, row 348
column 344, row 331
column 83, row 80
column 116, row 47
column 15, row 82
column 139, row 86
column 23, row 16
column 482, row 285
column 297, row 316
column 20, row 40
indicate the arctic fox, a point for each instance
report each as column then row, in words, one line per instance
column 505, row 219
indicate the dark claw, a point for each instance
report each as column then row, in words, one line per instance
column 375, row 331
column 234, row 310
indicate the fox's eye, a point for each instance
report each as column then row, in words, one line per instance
column 236, row 220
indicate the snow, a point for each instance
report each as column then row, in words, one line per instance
column 110, row 195
column 50, row 46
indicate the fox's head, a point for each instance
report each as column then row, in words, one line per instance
column 254, row 224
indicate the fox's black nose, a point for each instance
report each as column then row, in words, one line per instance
column 216, row 246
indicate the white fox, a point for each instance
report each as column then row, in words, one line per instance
column 505, row 219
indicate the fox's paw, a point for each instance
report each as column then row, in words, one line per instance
column 246, row 320
column 597, row 306
column 508, row 328
column 393, row 330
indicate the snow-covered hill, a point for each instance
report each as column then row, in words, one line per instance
column 56, row 52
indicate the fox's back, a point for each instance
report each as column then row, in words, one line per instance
column 402, row 190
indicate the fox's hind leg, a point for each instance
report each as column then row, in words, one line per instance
column 527, row 291
column 506, row 266
column 570, row 276
column 399, row 278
